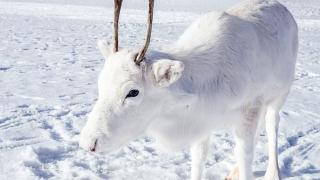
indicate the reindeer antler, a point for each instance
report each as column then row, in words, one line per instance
column 143, row 51
column 117, row 8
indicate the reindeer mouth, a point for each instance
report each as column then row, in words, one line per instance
column 94, row 148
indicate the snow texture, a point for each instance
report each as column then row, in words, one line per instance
column 49, row 65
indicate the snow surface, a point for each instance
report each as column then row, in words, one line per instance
column 168, row 5
column 48, row 75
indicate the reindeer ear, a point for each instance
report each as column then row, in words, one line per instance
column 167, row 71
column 104, row 48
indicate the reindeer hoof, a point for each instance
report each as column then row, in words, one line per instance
column 234, row 174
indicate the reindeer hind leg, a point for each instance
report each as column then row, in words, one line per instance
column 272, row 126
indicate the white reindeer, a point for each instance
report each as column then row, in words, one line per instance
column 228, row 72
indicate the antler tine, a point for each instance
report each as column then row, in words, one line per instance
column 143, row 51
column 117, row 8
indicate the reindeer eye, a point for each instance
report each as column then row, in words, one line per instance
column 132, row 93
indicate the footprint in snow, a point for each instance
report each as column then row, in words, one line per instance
column 4, row 68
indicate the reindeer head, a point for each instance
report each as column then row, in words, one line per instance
column 129, row 93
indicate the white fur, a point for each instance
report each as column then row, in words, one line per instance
column 228, row 71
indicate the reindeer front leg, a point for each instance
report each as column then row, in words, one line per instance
column 199, row 151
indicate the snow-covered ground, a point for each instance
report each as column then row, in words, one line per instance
column 48, row 83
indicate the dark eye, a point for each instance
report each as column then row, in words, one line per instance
column 132, row 93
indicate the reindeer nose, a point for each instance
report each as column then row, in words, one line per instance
column 93, row 149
